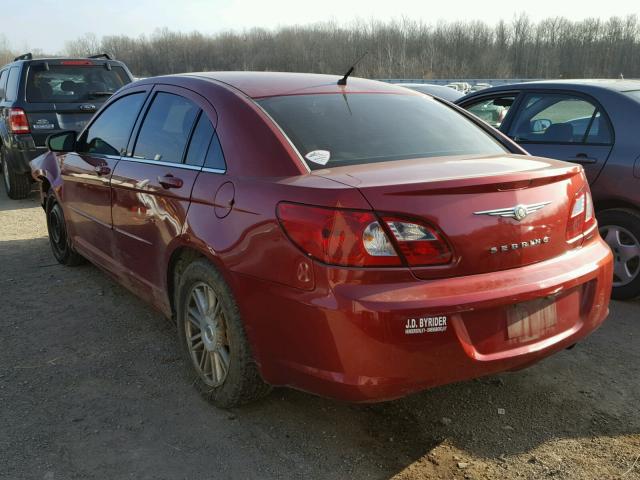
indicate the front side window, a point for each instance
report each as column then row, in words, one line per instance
column 166, row 128
column 109, row 133
column 335, row 129
column 493, row 110
column 69, row 84
column 559, row 118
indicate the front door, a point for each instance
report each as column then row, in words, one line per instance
column 151, row 186
column 87, row 172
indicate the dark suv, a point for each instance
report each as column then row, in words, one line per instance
column 42, row 96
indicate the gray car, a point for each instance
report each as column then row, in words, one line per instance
column 590, row 122
column 445, row 93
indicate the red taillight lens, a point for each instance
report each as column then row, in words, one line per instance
column 581, row 218
column 18, row 122
column 338, row 237
column 357, row 239
column 420, row 244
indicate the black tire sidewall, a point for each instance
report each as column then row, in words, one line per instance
column 241, row 373
column 63, row 253
column 629, row 220
column 19, row 185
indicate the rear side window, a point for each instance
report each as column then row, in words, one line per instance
column 72, row 83
column 166, row 128
column 109, row 134
column 215, row 157
column 11, row 94
column 334, row 129
column 560, row 118
column 200, row 141
column 3, row 82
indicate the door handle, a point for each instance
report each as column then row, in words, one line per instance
column 102, row 170
column 169, row 181
column 583, row 158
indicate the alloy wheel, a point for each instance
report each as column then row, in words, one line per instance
column 626, row 253
column 206, row 334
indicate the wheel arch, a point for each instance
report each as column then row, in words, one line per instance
column 180, row 257
column 615, row 203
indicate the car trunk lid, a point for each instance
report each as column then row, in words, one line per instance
column 47, row 118
column 497, row 212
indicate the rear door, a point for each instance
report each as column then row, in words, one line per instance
column 565, row 126
column 64, row 95
column 152, row 185
column 86, row 173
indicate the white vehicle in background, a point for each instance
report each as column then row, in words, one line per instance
column 462, row 87
column 479, row 86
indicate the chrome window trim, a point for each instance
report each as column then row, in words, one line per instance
column 172, row 164
column 161, row 163
column 214, row 170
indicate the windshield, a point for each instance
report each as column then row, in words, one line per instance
column 333, row 129
column 68, row 84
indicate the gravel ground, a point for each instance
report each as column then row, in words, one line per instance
column 92, row 386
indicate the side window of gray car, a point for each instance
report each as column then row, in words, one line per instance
column 560, row 118
column 11, row 92
column 3, row 82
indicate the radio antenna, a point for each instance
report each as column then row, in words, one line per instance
column 343, row 80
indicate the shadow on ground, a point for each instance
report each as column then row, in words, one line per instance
column 93, row 386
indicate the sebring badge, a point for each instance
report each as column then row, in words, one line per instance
column 534, row 242
column 518, row 212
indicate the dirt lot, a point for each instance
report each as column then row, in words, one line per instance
column 92, row 386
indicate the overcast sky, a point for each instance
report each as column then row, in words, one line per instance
column 47, row 24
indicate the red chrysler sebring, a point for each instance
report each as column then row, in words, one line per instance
column 359, row 241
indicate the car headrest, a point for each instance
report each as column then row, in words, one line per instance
column 68, row 86
column 559, row 132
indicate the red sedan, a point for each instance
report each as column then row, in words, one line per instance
column 357, row 241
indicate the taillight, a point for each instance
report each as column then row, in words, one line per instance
column 581, row 219
column 419, row 244
column 358, row 239
column 18, row 122
column 338, row 237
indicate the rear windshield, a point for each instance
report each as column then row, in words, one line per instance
column 69, row 84
column 333, row 129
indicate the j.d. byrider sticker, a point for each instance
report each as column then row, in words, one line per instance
column 416, row 326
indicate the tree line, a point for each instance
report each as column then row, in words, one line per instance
column 551, row 48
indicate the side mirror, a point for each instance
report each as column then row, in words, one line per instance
column 63, row 141
column 540, row 125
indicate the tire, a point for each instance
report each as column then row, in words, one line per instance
column 620, row 228
column 17, row 185
column 58, row 239
column 220, row 361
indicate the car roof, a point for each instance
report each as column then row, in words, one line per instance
column 585, row 85
column 269, row 84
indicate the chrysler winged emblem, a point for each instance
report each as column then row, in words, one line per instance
column 518, row 212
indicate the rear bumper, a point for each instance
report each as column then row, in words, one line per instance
column 357, row 342
column 21, row 149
